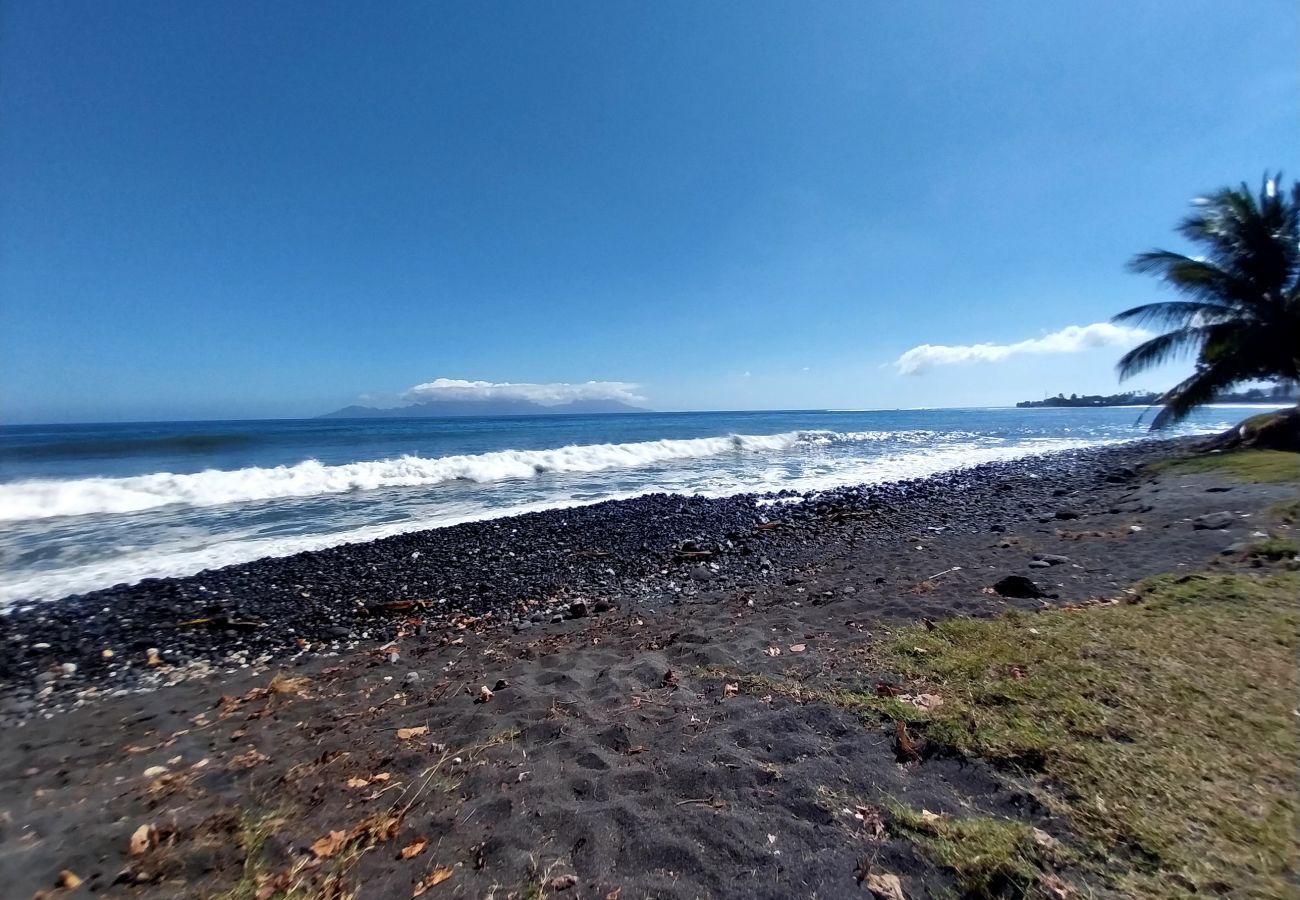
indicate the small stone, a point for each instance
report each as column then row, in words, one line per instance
column 1214, row 521
column 1066, row 514
column 68, row 669
column 411, row 678
column 557, row 619
column 578, row 609
column 1053, row 559
column 602, row 606
column 1039, row 564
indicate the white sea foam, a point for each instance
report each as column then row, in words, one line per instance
column 44, row 499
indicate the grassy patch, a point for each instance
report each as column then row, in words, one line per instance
column 1162, row 730
column 1275, row 549
column 991, row 857
column 1288, row 512
column 1256, row 466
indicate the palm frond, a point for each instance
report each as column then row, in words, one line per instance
column 1159, row 350
column 1201, row 280
column 1196, row 390
column 1174, row 313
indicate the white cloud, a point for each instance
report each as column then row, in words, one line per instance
column 545, row 394
column 1070, row 339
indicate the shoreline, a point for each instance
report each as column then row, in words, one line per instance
column 520, row 571
column 720, row 719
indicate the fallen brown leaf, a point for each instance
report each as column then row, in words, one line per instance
column 730, row 690
column 330, row 844
column 142, row 839
column 68, row 880
column 923, row 701
column 872, row 822
column 773, row 651
column 436, row 877
column 905, row 747
column 562, row 882
column 484, row 694
column 405, row 734
column 1055, row 887
column 355, row 782
column 415, row 848
column 670, row 677
column 247, row 760
column 885, row 886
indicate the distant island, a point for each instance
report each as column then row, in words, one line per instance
column 1277, row 394
column 439, row 409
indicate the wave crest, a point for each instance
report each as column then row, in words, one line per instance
column 45, row 499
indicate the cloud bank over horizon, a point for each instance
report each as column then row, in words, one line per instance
column 551, row 394
column 1071, row 339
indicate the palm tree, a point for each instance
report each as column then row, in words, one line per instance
column 1240, row 307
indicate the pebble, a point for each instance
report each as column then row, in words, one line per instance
column 411, row 678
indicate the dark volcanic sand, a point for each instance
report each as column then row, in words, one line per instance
column 586, row 760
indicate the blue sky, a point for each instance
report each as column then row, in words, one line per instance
column 251, row 209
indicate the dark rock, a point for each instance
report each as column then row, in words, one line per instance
column 701, row 573
column 578, row 609
column 1019, row 587
column 1066, row 514
column 602, row 606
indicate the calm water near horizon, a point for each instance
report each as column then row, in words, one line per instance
column 88, row 506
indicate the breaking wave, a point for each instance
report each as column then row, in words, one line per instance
column 45, row 499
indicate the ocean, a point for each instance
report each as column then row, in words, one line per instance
column 90, row 506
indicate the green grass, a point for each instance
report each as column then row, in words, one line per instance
column 1275, row 549
column 991, row 857
column 1288, row 512
column 1255, row 466
column 1162, row 730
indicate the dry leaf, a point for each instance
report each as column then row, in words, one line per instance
column 930, row 818
column 437, row 876
column 730, row 690
column 68, row 880
column 1055, row 887
column 562, row 882
column 415, row 848
column 773, row 651
column 905, row 747
column 924, row 701
column 247, row 760
column 142, row 839
column 872, row 822
column 380, row 777
column 332, row 843
column 884, row 886
column 484, row 694
column 1044, row 840
column 405, row 734
column 798, row 648
column 355, row 782
column 670, row 677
